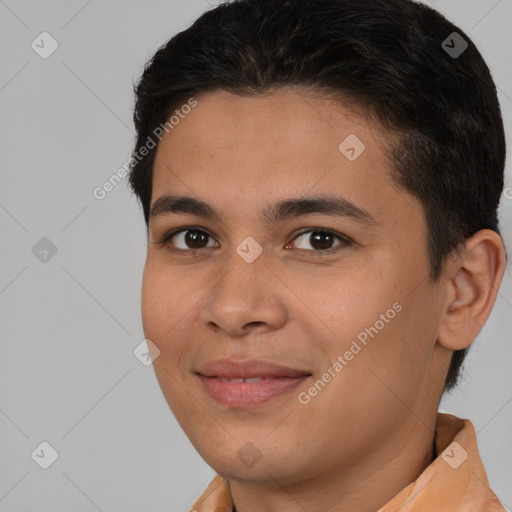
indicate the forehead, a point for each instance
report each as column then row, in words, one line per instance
column 275, row 121
column 247, row 150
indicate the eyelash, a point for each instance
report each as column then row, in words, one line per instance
column 345, row 241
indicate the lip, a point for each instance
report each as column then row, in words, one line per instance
column 248, row 394
column 248, row 368
column 278, row 380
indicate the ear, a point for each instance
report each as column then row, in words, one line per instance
column 472, row 280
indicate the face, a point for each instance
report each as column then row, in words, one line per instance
column 329, row 303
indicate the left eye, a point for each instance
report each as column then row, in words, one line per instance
column 320, row 240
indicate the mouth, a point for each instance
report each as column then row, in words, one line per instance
column 242, row 384
column 241, row 393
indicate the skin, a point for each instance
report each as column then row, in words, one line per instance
column 370, row 431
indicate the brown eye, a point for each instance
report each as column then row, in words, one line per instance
column 320, row 240
column 189, row 239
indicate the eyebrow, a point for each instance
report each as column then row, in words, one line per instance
column 334, row 206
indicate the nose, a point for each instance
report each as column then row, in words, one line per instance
column 247, row 296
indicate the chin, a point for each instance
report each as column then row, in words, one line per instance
column 251, row 464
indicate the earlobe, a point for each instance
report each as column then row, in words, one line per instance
column 472, row 278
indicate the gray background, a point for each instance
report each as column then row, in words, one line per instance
column 69, row 325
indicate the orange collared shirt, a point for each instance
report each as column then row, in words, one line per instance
column 455, row 481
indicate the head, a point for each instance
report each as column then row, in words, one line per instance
column 260, row 102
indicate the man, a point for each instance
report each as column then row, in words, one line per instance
column 323, row 249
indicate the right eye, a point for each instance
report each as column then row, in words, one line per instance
column 186, row 239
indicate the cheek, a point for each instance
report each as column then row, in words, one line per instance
column 152, row 297
column 160, row 309
column 353, row 308
column 400, row 355
column 387, row 319
column 160, row 315
column 167, row 305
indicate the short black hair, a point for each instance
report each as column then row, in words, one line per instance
column 391, row 58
